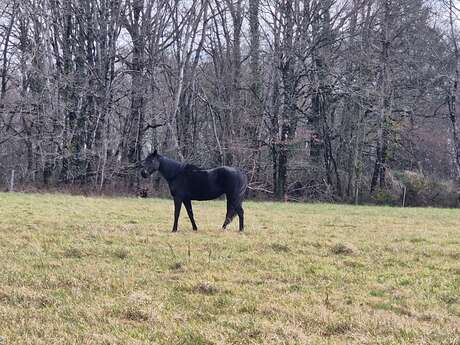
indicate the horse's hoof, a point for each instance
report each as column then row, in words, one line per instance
column 196, row 229
column 174, row 230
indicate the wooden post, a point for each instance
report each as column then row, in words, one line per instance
column 404, row 197
column 11, row 189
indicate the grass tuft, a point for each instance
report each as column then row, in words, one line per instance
column 176, row 266
column 73, row 253
column 133, row 314
column 280, row 248
column 343, row 249
column 120, row 253
column 335, row 328
column 191, row 337
column 206, row 288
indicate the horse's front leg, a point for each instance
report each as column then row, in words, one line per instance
column 177, row 207
column 188, row 207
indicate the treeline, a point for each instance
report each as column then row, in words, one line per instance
column 349, row 100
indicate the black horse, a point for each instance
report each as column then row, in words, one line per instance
column 188, row 182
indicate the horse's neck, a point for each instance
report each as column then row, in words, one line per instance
column 169, row 168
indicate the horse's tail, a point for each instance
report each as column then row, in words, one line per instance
column 243, row 186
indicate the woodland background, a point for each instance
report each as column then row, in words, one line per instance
column 332, row 100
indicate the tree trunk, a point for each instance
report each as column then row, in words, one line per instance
column 135, row 121
column 378, row 176
column 452, row 101
column 289, row 105
column 256, row 112
column 6, row 46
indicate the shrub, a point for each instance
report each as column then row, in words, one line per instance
column 386, row 197
column 425, row 191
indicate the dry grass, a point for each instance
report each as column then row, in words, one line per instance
column 78, row 270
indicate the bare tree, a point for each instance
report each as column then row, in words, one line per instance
column 317, row 99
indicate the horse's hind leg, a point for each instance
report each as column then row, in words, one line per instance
column 228, row 218
column 240, row 212
column 188, row 207
column 230, row 214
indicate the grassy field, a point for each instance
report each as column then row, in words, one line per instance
column 76, row 270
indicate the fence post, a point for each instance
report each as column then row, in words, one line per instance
column 404, row 197
column 11, row 189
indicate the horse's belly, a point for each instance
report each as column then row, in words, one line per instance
column 204, row 195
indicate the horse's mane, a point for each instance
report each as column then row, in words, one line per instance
column 191, row 168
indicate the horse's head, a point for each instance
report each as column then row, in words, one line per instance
column 150, row 164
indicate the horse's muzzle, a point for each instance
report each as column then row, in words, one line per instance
column 144, row 173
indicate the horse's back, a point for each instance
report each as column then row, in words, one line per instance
column 212, row 183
